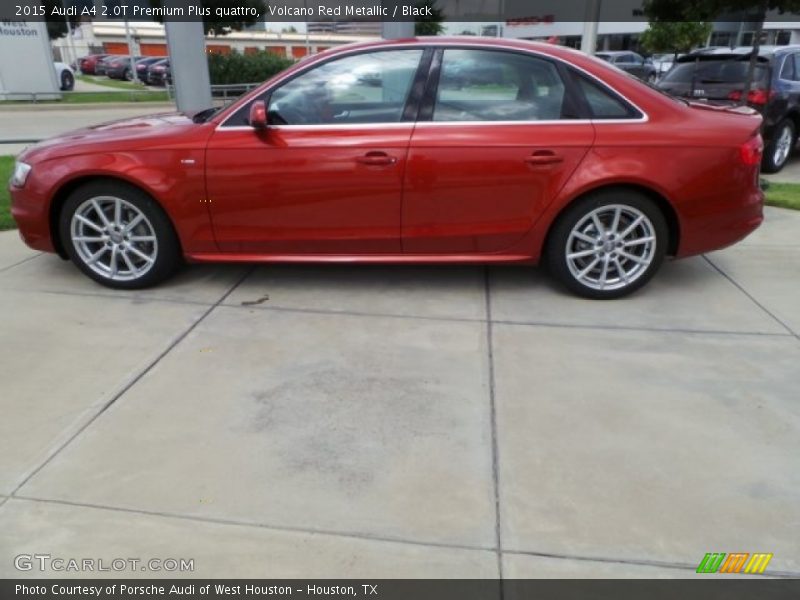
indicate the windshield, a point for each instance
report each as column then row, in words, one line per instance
column 715, row 71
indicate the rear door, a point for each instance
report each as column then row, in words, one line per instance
column 497, row 137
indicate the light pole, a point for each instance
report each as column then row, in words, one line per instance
column 590, row 26
column 188, row 63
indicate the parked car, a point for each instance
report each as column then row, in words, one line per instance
column 580, row 166
column 632, row 63
column 718, row 77
column 101, row 66
column 143, row 64
column 120, row 68
column 88, row 63
column 159, row 73
column 65, row 77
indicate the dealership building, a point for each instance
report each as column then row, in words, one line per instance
column 149, row 39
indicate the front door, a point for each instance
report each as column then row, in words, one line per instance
column 501, row 141
column 326, row 176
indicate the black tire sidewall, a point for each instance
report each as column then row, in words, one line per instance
column 67, row 81
column 768, row 164
column 555, row 249
column 168, row 258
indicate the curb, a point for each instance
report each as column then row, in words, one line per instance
column 39, row 106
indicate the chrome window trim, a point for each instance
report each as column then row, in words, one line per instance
column 466, row 45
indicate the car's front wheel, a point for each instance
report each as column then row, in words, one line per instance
column 119, row 236
column 607, row 244
column 780, row 147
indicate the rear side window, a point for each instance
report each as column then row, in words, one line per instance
column 714, row 71
column 483, row 85
column 603, row 103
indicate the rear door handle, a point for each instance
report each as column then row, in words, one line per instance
column 376, row 159
column 544, row 157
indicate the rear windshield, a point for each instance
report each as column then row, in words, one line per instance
column 715, row 71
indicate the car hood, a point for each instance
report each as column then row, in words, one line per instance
column 124, row 134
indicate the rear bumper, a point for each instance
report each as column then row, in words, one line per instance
column 721, row 224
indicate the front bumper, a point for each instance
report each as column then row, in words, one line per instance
column 32, row 217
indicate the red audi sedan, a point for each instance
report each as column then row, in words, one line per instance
column 438, row 150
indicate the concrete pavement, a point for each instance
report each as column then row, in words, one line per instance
column 368, row 421
column 789, row 174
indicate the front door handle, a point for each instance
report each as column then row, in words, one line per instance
column 544, row 157
column 376, row 159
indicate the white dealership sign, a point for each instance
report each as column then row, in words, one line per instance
column 26, row 61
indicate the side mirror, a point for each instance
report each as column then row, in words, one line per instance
column 258, row 115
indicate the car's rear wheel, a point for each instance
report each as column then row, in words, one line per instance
column 608, row 244
column 67, row 81
column 117, row 235
column 780, row 147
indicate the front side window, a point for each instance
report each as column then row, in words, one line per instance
column 482, row 85
column 365, row 88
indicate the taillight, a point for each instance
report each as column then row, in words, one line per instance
column 752, row 150
column 758, row 97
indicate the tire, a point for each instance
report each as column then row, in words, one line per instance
column 626, row 268
column 67, row 81
column 103, row 249
column 127, row 75
column 651, row 78
column 776, row 153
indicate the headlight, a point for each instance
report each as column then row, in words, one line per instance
column 20, row 176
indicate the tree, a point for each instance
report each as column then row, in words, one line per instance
column 223, row 25
column 708, row 10
column 429, row 25
column 57, row 26
column 675, row 37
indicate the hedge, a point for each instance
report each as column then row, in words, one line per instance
column 226, row 69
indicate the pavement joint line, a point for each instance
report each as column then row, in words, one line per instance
column 177, row 340
column 368, row 537
column 128, row 297
column 24, row 260
column 324, row 311
column 640, row 328
column 266, row 526
column 752, row 298
column 628, row 561
column 493, row 425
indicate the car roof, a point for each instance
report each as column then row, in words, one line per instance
column 740, row 51
column 614, row 52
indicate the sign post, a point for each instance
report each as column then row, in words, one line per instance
column 26, row 62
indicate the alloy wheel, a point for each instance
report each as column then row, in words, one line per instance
column 611, row 247
column 114, row 238
column 783, row 147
